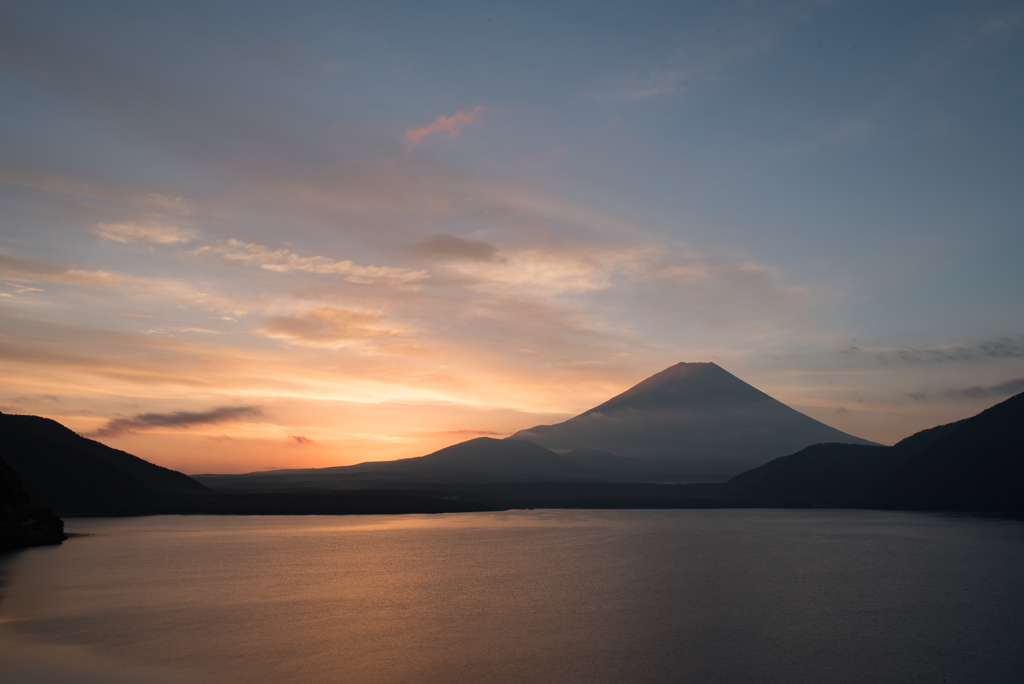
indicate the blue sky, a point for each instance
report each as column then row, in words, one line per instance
column 387, row 227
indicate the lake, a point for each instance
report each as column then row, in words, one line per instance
column 522, row 596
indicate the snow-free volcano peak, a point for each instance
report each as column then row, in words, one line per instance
column 684, row 384
column 695, row 413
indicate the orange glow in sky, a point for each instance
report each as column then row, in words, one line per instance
column 328, row 236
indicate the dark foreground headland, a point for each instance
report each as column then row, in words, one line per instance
column 21, row 523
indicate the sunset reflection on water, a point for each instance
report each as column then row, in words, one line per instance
column 524, row 596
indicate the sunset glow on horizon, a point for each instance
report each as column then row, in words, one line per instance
column 236, row 237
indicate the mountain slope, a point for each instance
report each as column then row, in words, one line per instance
column 696, row 414
column 78, row 476
column 483, row 459
column 482, row 456
column 607, row 466
column 819, row 475
column 976, row 464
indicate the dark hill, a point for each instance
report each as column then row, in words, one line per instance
column 78, row 476
column 976, row 464
column 697, row 415
column 829, row 474
column 14, row 497
column 21, row 523
column 822, row 474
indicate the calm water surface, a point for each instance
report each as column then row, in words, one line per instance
column 524, row 596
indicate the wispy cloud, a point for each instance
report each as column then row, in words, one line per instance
column 327, row 327
column 989, row 350
column 701, row 61
column 702, row 282
column 19, row 269
column 283, row 260
column 153, row 231
column 543, row 271
column 737, row 35
column 59, row 185
column 1003, row 389
column 178, row 419
column 1011, row 21
column 443, row 124
column 475, row 433
column 451, row 247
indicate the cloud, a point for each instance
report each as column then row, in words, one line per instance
column 283, row 260
column 701, row 61
column 299, row 440
column 58, row 185
column 443, row 124
column 160, row 233
column 451, row 247
column 1005, row 23
column 737, row 35
column 327, row 327
column 715, row 287
column 549, row 271
column 1003, row 389
column 478, row 433
column 17, row 268
column 999, row 348
column 951, row 360
column 664, row 82
column 178, row 419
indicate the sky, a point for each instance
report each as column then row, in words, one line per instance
column 237, row 236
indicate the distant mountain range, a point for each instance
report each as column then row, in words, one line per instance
column 693, row 422
column 483, row 459
column 975, row 464
column 708, row 421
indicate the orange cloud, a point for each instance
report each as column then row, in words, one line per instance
column 478, row 433
column 450, row 124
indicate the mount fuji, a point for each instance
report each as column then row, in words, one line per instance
column 707, row 421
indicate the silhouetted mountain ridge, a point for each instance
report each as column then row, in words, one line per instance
column 974, row 464
column 74, row 475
